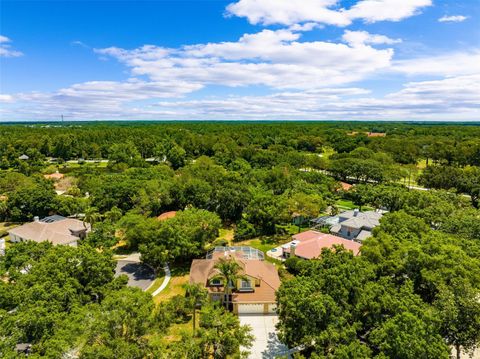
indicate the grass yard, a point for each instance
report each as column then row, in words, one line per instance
column 180, row 277
column 262, row 244
column 327, row 152
column 174, row 333
column 345, row 205
column 226, row 234
column 4, row 227
column 174, row 287
column 156, row 284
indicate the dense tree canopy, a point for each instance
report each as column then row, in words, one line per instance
column 412, row 293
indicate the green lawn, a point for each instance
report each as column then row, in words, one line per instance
column 156, row 284
column 226, row 234
column 180, row 277
column 4, row 227
column 345, row 205
column 327, row 152
column 174, row 287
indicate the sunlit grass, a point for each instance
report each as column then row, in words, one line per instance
column 156, row 284
column 174, row 287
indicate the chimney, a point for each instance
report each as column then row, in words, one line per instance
column 292, row 248
column 355, row 212
column 36, row 219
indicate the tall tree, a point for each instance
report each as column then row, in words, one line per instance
column 229, row 273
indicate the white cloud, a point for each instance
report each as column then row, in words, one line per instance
column 288, row 12
column 386, row 10
column 359, row 38
column 456, row 98
column 5, row 48
column 452, row 64
column 453, row 18
column 306, row 79
column 6, row 98
column 277, row 59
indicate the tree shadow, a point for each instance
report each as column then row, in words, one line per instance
column 274, row 348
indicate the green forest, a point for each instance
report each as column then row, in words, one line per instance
column 412, row 293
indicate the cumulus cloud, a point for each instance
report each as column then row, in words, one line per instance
column 456, row 98
column 358, row 38
column 453, row 18
column 5, row 48
column 287, row 12
column 309, row 80
column 386, row 10
column 453, row 98
column 277, row 59
column 6, row 98
column 451, row 64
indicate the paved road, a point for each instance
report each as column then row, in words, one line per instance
column 266, row 344
column 139, row 275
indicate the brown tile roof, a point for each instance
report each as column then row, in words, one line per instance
column 311, row 244
column 202, row 270
column 167, row 215
column 58, row 232
column 346, row 186
column 306, row 235
column 54, row 176
column 376, row 134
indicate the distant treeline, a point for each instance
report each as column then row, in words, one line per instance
column 406, row 142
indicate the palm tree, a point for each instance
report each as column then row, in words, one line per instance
column 196, row 296
column 229, row 273
column 91, row 216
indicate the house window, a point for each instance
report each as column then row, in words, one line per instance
column 215, row 282
column 246, row 284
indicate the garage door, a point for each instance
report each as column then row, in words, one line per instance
column 250, row 308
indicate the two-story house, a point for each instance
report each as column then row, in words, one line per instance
column 254, row 292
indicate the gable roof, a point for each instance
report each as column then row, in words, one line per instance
column 55, row 229
column 201, row 270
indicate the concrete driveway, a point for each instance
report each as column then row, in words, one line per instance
column 139, row 275
column 266, row 344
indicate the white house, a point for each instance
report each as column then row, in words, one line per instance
column 356, row 225
column 55, row 229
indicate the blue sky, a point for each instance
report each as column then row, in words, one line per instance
column 243, row 59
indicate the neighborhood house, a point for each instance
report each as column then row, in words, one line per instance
column 55, row 229
column 309, row 244
column 254, row 293
column 54, row 176
column 356, row 225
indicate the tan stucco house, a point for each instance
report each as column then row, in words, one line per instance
column 254, row 293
